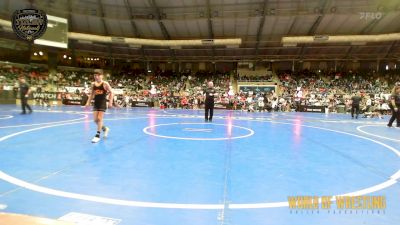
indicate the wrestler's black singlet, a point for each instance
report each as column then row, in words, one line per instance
column 100, row 98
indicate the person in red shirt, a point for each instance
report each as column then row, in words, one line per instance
column 184, row 102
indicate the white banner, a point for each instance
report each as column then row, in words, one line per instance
column 8, row 88
column 73, row 89
column 118, row 91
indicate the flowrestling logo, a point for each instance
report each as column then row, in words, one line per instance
column 29, row 24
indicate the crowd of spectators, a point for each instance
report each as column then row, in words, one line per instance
column 334, row 89
column 167, row 89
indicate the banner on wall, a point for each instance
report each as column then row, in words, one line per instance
column 316, row 109
column 118, row 91
column 73, row 89
column 73, row 102
column 220, row 105
column 46, row 95
column 8, row 88
column 257, row 88
column 142, row 104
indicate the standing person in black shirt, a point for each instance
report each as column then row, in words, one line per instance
column 209, row 101
column 355, row 105
column 24, row 91
column 100, row 89
column 395, row 106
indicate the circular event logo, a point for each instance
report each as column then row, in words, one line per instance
column 29, row 24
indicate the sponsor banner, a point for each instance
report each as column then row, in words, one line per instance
column 257, row 88
column 8, row 88
column 142, row 104
column 118, row 91
column 316, row 109
column 220, row 106
column 47, row 95
column 72, row 102
column 73, row 89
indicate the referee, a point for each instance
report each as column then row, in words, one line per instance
column 355, row 105
column 209, row 102
column 24, row 91
column 394, row 106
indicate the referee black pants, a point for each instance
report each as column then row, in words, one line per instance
column 395, row 116
column 24, row 104
column 209, row 110
column 355, row 108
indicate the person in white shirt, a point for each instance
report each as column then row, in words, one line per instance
column 368, row 104
column 231, row 93
column 274, row 104
column 250, row 103
column 260, row 103
column 127, row 101
column 153, row 91
column 249, row 99
column 385, row 107
column 297, row 98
